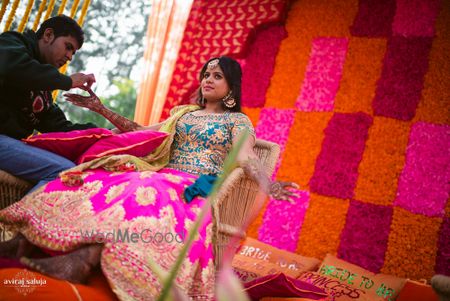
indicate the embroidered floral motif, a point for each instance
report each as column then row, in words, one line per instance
column 146, row 174
column 114, row 192
column 174, row 179
column 38, row 104
column 173, row 195
column 61, row 218
column 146, row 196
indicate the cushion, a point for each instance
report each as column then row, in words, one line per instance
column 347, row 281
column 255, row 259
column 416, row 291
column 291, row 299
column 280, row 285
column 248, row 269
column 68, row 144
column 47, row 288
column 137, row 143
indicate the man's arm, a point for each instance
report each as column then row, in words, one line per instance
column 19, row 68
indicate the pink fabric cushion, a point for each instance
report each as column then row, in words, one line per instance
column 138, row 143
column 280, row 285
column 68, row 144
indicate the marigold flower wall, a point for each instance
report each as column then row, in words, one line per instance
column 357, row 95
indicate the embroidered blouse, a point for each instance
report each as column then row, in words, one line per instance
column 202, row 142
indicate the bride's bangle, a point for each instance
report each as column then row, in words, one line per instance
column 275, row 190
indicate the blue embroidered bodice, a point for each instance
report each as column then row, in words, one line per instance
column 202, row 141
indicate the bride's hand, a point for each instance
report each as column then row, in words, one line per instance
column 279, row 191
column 91, row 102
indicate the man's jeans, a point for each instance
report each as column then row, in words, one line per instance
column 30, row 163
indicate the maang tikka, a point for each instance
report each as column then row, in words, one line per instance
column 213, row 64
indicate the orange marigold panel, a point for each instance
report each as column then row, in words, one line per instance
column 412, row 245
column 306, row 20
column 322, row 226
column 253, row 114
column 434, row 105
column 383, row 161
column 361, row 71
column 303, row 146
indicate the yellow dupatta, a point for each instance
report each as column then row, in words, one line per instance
column 152, row 162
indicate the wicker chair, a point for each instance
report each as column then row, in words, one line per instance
column 235, row 202
column 232, row 208
column 12, row 189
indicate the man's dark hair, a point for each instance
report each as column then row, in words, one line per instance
column 62, row 26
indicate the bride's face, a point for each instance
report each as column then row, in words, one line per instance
column 214, row 85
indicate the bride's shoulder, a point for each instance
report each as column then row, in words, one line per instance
column 180, row 108
column 239, row 116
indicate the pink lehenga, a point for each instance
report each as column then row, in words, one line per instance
column 140, row 216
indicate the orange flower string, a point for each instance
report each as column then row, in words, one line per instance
column 24, row 20
column 62, row 70
column 3, row 9
column 62, row 7
column 49, row 10
column 11, row 15
column 73, row 10
column 39, row 14
column 84, row 12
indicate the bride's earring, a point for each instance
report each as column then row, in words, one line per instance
column 229, row 100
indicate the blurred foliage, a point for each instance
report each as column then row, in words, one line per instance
column 114, row 33
column 123, row 102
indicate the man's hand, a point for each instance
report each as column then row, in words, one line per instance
column 82, row 81
column 91, row 102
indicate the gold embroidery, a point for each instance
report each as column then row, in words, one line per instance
column 116, row 173
column 195, row 209
column 188, row 225
column 146, row 195
column 146, row 174
column 114, row 192
column 173, row 195
column 208, row 238
column 208, row 277
column 112, row 217
column 65, row 207
column 173, row 178
column 126, row 265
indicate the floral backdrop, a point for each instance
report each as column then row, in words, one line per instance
column 357, row 95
